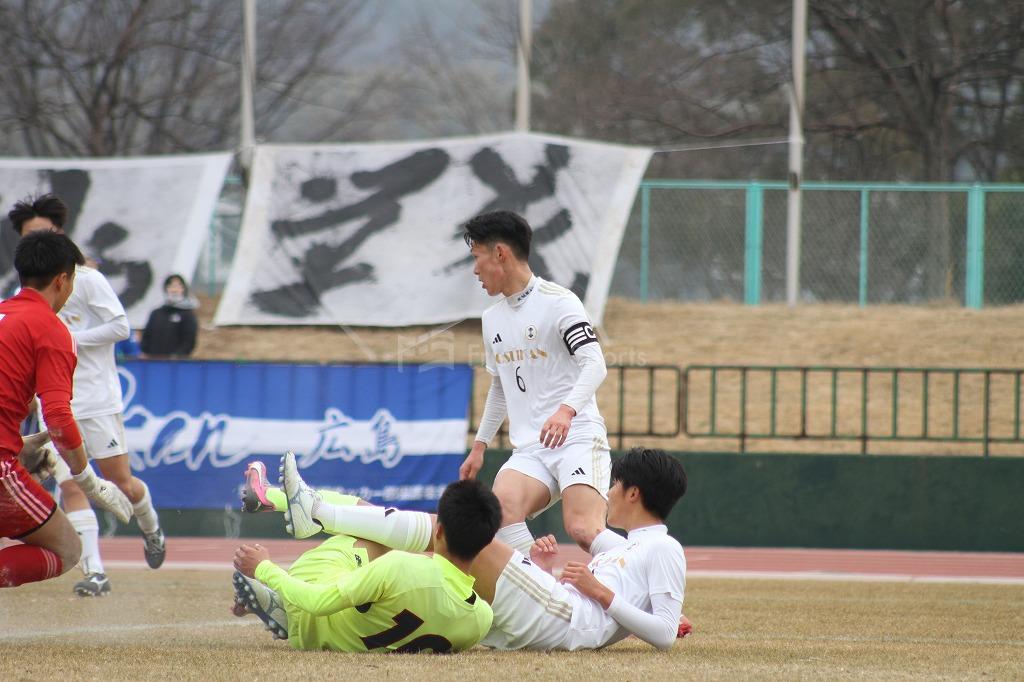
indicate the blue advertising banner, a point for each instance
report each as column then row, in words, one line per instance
column 391, row 434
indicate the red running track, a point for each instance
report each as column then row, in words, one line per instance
column 701, row 561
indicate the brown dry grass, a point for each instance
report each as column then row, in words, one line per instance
column 173, row 625
column 687, row 334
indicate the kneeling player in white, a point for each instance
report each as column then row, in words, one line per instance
column 633, row 585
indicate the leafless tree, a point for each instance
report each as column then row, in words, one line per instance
column 123, row 77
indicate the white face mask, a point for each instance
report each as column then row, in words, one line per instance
column 175, row 297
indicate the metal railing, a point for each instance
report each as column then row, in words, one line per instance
column 636, row 401
column 746, row 402
column 862, row 242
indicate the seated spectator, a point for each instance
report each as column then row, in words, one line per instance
column 171, row 328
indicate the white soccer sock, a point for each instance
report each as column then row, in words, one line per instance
column 406, row 530
column 605, row 540
column 87, row 526
column 517, row 536
column 144, row 512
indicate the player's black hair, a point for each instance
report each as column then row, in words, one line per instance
column 500, row 226
column 659, row 476
column 470, row 515
column 45, row 206
column 41, row 256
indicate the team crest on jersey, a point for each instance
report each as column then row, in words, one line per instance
column 531, row 333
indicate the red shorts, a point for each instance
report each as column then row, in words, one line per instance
column 24, row 505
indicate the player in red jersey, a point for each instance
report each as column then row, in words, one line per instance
column 37, row 357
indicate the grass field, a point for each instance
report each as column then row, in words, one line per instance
column 175, row 625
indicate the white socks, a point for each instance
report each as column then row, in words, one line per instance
column 144, row 512
column 605, row 540
column 517, row 536
column 88, row 528
column 405, row 530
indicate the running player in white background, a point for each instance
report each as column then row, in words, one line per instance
column 633, row 585
column 546, row 365
column 97, row 321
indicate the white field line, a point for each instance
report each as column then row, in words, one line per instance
column 96, row 629
column 862, row 639
column 867, row 577
column 698, row 573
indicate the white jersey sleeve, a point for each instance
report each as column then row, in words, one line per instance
column 110, row 322
column 666, row 571
column 573, row 323
column 581, row 342
column 664, row 567
column 99, row 297
column 658, row 627
column 494, row 412
column 97, row 320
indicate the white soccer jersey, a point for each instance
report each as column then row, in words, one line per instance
column 97, row 389
column 530, row 343
column 649, row 561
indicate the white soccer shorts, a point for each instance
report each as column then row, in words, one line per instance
column 585, row 461
column 103, row 436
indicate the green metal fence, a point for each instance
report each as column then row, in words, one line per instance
column 861, row 243
column 746, row 402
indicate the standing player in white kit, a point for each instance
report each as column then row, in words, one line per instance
column 546, row 365
column 97, row 321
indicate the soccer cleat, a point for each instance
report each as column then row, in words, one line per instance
column 156, row 548
column 264, row 602
column 93, row 585
column 254, row 494
column 299, row 521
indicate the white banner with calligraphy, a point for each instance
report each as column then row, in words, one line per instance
column 140, row 218
column 369, row 234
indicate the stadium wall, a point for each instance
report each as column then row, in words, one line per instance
column 772, row 500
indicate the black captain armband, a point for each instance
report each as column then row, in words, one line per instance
column 579, row 335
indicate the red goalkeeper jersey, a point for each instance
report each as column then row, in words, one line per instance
column 37, row 357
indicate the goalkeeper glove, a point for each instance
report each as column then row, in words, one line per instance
column 104, row 494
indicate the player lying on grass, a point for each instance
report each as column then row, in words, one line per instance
column 355, row 595
column 633, row 585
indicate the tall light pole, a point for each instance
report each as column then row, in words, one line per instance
column 248, row 119
column 796, row 155
column 523, row 44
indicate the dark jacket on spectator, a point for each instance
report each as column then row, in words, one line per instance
column 171, row 329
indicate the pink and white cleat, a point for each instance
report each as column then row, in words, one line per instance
column 254, row 494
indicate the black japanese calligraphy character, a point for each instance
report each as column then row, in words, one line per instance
column 319, row 266
column 138, row 274
column 493, row 171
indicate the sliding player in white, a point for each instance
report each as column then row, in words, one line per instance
column 633, row 585
column 546, row 364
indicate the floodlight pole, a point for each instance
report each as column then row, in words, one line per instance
column 796, row 148
column 523, row 45
column 248, row 118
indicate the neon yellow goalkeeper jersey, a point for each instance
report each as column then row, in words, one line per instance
column 398, row 602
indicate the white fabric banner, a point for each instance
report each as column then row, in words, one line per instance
column 369, row 234
column 140, row 219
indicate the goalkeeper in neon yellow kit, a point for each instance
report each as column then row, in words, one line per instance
column 355, row 595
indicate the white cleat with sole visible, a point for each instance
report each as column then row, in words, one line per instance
column 299, row 521
column 259, row 599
